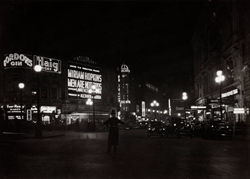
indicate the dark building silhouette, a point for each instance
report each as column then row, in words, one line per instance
column 221, row 42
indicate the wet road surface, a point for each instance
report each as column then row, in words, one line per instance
column 82, row 155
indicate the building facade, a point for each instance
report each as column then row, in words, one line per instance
column 63, row 86
column 221, row 42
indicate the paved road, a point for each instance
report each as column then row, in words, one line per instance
column 82, row 155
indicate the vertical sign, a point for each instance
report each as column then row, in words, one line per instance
column 143, row 109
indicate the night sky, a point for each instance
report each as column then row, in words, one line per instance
column 152, row 37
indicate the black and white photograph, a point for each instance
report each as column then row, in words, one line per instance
column 117, row 89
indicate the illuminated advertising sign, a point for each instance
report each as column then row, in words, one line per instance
column 48, row 109
column 143, row 109
column 198, row 107
column 230, row 93
column 14, row 60
column 239, row 110
column 80, row 80
column 48, row 64
column 14, row 108
column 14, row 111
column 177, row 106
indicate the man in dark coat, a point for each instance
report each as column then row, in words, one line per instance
column 113, row 131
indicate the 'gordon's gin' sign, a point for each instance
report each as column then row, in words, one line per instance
column 14, row 60
column 48, row 64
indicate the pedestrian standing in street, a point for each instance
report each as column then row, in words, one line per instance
column 113, row 137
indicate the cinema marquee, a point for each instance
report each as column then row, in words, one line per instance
column 80, row 80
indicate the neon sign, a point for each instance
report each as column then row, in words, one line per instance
column 48, row 64
column 230, row 93
column 80, row 80
column 13, row 60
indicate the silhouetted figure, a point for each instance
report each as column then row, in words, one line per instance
column 113, row 131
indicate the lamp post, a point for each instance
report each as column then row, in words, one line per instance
column 89, row 102
column 93, row 91
column 38, row 132
column 219, row 79
column 21, row 86
column 184, row 98
column 154, row 104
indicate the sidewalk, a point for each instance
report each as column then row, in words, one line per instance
column 31, row 135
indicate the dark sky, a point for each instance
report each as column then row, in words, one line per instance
column 152, row 37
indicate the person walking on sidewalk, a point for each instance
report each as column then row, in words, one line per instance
column 113, row 137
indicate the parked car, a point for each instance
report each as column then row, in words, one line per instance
column 175, row 124
column 199, row 128
column 156, row 128
column 143, row 124
column 185, row 130
column 218, row 128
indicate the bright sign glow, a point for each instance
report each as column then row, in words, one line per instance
column 239, row 110
column 13, row 60
column 230, row 93
column 143, row 109
column 48, row 64
column 198, row 107
column 48, row 109
column 81, row 79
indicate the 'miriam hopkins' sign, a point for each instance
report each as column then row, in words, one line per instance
column 14, row 60
column 48, row 64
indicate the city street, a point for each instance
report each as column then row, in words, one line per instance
column 82, row 155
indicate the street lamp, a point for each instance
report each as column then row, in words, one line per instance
column 219, row 79
column 21, row 86
column 38, row 132
column 93, row 91
column 154, row 104
column 184, row 97
column 89, row 102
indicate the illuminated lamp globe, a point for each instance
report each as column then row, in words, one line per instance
column 38, row 68
column 21, row 85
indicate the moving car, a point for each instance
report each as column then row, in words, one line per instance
column 156, row 128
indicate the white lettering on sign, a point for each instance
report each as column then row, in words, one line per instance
column 85, row 60
column 17, row 60
column 239, row 111
column 48, row 64
column 75, row 74
column 230, row 93
column 81, row 79
column 179, row 108
column 198, row 107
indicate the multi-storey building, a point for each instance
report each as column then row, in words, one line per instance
column 63, row 86
column 221, row 42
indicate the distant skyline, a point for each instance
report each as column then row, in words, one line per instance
column 152, row 38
